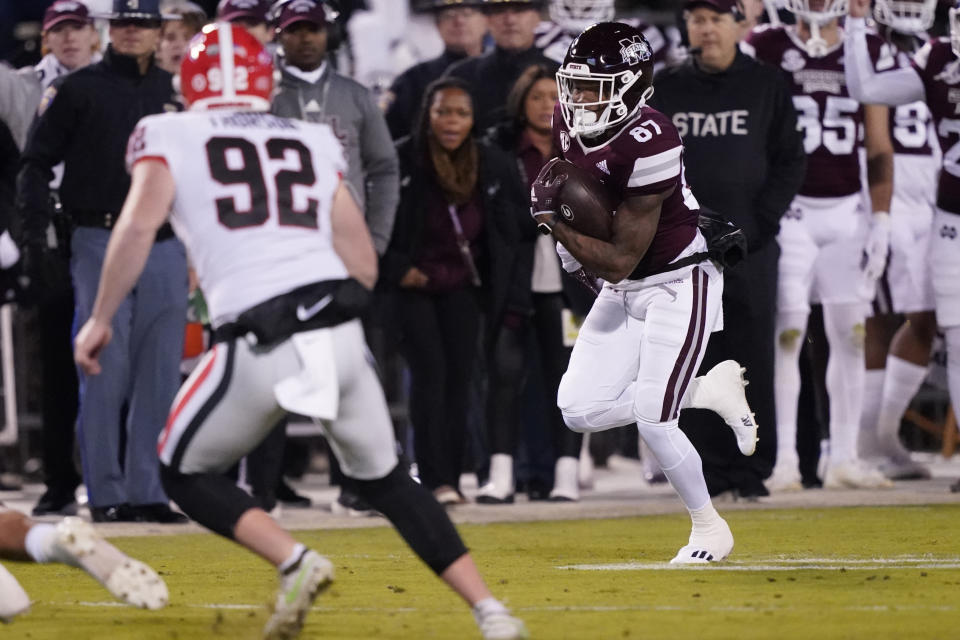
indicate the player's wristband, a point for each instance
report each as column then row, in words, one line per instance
column 546, row 220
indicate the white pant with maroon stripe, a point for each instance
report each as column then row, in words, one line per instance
column 638, row 349
column 228, row 406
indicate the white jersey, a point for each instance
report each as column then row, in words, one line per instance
column 253, row 201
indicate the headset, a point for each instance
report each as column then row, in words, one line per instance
column 335, row 29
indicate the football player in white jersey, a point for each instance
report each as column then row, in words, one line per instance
column 832, row 247
column 286, row 262
column 75, row 543
column 898, row 353
column 934, row 77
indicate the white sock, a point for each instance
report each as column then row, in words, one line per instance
column 293, row 559
column 704, row 517
column 486, row 607
column 791, row 329
column 900, row 385
column 679, row 460
column 501, row 474
column 952, row 335
column 846, row 367
column 41, row 544
column 872, row 395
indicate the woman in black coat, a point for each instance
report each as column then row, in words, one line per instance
column 448, row 264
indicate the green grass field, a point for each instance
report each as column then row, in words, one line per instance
column 880, row 572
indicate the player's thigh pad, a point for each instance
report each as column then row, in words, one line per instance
column 798, row 252
column 908, row 276
column 226, row 406
column 839, row 227
column 945, row 267
column 605, row 356
column 679, row 319
column 362, row 434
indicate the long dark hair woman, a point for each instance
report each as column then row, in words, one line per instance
column 448, row 265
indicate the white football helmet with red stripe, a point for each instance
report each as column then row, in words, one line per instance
column 243, row 79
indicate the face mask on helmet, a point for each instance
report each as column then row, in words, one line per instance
column 817, row 13
column 591, row 103
column 576, row 15
column 905, row 16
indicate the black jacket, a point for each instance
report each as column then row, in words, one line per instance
column 85, row 120
column 491, row 76
column 743, row 154
column 502, row 200
column 409, row 88
column 576, row 297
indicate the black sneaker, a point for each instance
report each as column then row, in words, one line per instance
column 113, row 513
column 159, row 513
column 350, row 504
column 56, row 502
column 290, row 498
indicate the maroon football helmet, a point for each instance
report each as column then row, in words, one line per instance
column 606, row 77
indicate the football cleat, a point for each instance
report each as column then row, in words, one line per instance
column 895, row 463
column 707, row 545
column 502, row 626
column 127, row 579
column 854, row 474
column 299, row 587
column 13, row 599
column 722, row 391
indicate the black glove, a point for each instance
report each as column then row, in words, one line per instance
column 543, row 196
column 42, row 274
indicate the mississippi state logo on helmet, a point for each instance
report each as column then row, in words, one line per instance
column 226, row 67
column 606, row 77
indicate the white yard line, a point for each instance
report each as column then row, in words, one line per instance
column 784, row 564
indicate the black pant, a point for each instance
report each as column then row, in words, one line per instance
column 510, row 370
column 60, row 394
column 440, row 341
column 749, row 320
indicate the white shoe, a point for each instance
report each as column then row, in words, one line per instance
column 298, row 589
column 785, row 477
column 894, row 462
column 565, row 485
column 502, row 626
column 706, row 546
column 722, row 391
column 500, row 489
column 854, row 474
column 13, row 599
column 127, row 579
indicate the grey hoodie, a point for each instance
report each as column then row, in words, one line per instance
column 373, row 174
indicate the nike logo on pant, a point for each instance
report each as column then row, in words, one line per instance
column 305, row 313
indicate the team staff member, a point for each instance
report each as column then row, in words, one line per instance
column 84, row 122
column 727, row 105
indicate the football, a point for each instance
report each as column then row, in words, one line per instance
column 583, row 202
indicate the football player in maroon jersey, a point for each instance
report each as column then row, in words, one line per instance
column 934, row 77
column 638, row 349
column 831, row 248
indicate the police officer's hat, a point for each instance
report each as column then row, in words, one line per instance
column 137, row 10
column 424, row 6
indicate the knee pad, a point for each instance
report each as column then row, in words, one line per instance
column 417, row 516
column 213, row 500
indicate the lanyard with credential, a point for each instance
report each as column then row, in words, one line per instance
column 464, row 246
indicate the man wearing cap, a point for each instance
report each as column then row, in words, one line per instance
column 462, row 27
column 512, row 26
column 745, row 160
column 71, row 42
column 249, row 14
column 84, row 121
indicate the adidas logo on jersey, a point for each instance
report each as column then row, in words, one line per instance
column 948, row 231
column 602, row 165
column 312, row 107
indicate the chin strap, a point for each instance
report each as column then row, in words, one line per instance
column 816, row 45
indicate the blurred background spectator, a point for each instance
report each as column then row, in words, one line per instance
column 175, row 34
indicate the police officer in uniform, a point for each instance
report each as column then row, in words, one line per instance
column 745, row 160
column 85, row 120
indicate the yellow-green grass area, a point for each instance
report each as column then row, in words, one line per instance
column 866, row 572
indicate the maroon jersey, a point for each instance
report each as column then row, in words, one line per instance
column 644, row 157
column 940, row 71
column 832, row 121
column 910, row 124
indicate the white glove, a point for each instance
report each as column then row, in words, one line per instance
column 570, row 263
column 875, row 254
